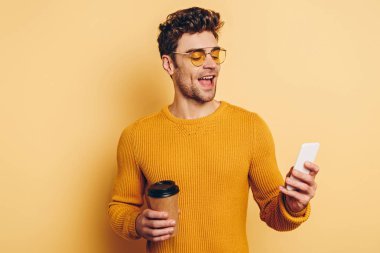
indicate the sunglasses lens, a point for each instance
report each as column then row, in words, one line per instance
column 218, row 55
column 197, row 58
column 215, row 55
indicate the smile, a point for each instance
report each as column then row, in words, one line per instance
column 207, row 81
column 206, row 78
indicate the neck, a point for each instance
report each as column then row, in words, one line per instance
column 191, row 109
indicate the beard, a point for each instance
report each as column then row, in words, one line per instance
column 192, row 91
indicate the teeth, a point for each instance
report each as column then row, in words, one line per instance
column 206, row 78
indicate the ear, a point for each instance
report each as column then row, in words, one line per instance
column 168, row 64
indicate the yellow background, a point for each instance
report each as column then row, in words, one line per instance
column 75, row 73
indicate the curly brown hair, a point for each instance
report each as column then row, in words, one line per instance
column 191, row 20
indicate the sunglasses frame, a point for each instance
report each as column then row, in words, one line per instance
column 189, row 52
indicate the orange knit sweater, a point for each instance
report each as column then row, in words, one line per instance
column 215, row 160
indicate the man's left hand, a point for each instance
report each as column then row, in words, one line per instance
column 304, row 187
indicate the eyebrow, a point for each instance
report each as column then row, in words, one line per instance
column 201, row 49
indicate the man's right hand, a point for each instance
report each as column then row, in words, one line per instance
column 154, row 225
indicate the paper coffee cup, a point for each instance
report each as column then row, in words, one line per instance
column 163, row 196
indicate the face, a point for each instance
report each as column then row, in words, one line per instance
column 193, row 82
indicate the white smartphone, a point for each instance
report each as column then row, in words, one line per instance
column 308, row 152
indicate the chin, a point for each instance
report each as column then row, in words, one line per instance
column 202, row 99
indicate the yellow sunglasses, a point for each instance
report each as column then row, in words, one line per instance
column 198, row 56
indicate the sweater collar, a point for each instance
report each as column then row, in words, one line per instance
column 201, row 120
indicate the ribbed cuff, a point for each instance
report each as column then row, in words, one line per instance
column 131, row 226
column 294, row 217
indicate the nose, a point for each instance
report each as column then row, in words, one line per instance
column 209, row 62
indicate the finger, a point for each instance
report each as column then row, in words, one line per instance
column 157, row 232
column 298, row 196
column 312, row 167
column 159, row 223
column 305, row 178
column 151, row 214
column 297, row 185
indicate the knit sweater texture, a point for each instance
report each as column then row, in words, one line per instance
column 214, row 160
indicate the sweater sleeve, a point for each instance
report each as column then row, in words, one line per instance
column 127, row 194
column 265, row 179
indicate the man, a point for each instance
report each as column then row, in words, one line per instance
column 212, row 149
